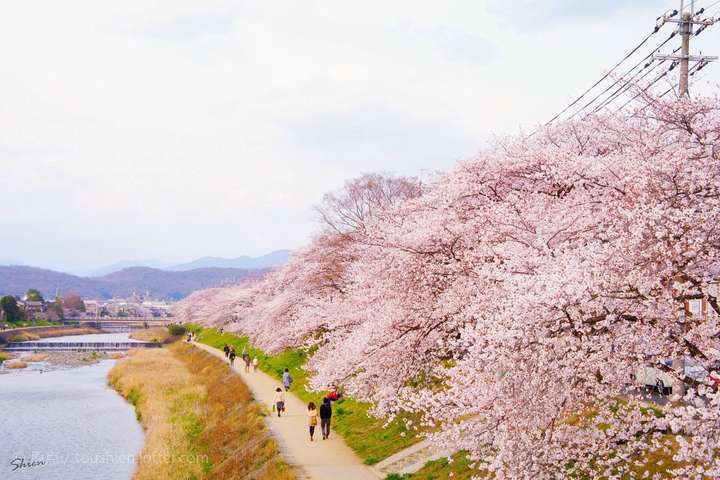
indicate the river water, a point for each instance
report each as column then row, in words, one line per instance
column 66, row 424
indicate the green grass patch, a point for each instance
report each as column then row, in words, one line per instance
column 3, row 356
column 133, row 397
column 32, row 323
column 458, row 468
column 176, row 330
column 92, row 357
column 367, row 435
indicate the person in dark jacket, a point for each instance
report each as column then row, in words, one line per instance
column 226, row 349
column 325, row 415
column 232, row 356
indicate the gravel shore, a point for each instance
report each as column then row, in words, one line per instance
column 47, row 361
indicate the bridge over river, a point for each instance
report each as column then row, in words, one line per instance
column 119, row 324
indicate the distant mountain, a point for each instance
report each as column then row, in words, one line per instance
column 117, row 266
column 16, row 280
column 272, row 259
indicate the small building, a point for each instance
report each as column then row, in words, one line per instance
column 33, row 306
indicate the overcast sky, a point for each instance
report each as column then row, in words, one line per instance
column 174, row 129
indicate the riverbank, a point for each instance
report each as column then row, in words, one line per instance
column 160, row 335
column 199, row 418
column 36, row 333
column 52, row 360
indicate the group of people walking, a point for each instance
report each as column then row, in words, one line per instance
column 324, row 413
column 231, row 355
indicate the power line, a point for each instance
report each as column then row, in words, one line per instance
column 659, row 77
column 625, row 81
column 686, row 22
column 619, row 79
column 696, row 68
column 698, row 65
column 708, row 7
column 627, row 85
column 606, row 75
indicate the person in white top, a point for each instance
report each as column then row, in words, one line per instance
column 279, row 400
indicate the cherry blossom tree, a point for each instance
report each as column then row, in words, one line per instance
column 511, row 301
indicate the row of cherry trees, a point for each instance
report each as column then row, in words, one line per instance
column 512, row 294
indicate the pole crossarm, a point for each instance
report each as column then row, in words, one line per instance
column 707, row 23
column 692, row 58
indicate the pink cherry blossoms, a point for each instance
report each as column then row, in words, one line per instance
column 517, row 291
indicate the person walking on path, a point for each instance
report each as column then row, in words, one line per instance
column 226, row 349
column 333, row 461
column 325, row 416
column 246, row 359
column 287, row 380
column 255, row 364
column 232, row 356
column 312, row 418
column 279, row 400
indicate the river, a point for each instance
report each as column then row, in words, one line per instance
column 66, row 424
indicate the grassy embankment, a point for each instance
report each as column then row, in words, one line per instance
column 367, row 435
column 441, row 469
column 31, row 323
column 654, row 462
column 160, row 335
column 199, row 418
column 641, row 465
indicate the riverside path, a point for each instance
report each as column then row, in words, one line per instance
column 318, row 460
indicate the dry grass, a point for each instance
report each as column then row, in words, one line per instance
column 151, row 335
column 199, row 419
column 61, row 332
column 116, row 355
column 34, row 357
column 5, row 356
column 50, row 332
column 15, row 364
column 24, row 337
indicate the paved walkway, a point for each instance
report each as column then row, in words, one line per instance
column 318, row 460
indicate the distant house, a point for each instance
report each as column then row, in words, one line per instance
column 33, row 309
column 32, row 306
column 92, row 308
column 700, row 307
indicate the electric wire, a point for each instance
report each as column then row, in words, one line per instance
column 637, row 47
column 619, row 79
column 659, row 77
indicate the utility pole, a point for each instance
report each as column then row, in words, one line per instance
column 685, row 27
column 685, row 23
